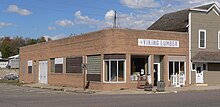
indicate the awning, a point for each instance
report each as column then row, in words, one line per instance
column 207, row 56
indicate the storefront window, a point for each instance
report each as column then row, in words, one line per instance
column 170, row 69
column 182, row 68
column 106, row 70
column 114, row 71
column 176, row 68
column 121, row 71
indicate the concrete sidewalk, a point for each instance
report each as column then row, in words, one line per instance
column 126, row 91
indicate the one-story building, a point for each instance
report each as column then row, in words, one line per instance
column 109, row 59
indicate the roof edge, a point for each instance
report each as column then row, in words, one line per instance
column 206, row 10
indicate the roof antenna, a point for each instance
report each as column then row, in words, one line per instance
column 115, row 17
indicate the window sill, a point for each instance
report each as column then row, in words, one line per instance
column 202, row 47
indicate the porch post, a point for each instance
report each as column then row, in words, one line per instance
column 128, row 67
column 152, row 68
column 165, row 69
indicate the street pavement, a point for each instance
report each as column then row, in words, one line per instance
column 16, row 96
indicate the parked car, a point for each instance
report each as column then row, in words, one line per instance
column 11, row 76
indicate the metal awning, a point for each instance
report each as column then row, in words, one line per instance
column 207, row 56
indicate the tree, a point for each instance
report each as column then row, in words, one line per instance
column 6, row 47
column 17, row 42
column 10, row 46
column 41, row 39
column 29, row 41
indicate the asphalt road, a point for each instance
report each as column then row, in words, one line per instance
column 15, row 96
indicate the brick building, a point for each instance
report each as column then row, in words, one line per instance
column 112, row 58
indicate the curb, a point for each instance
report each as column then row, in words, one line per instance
column 118, row 93
column 62, row 89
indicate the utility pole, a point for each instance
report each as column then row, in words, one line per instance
column 115, row 19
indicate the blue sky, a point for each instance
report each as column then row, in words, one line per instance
column 60, row 18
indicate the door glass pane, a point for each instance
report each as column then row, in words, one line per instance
column 198, row 69
column 113, row 70
column 106, row 70
column 120, row 70
column 170, row 69
column 176, row 68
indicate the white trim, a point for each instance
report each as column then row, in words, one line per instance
column 185, row 72
column 158, row 72
column 202, row 30
column 218, row 39
column 190, row 48
column 117, row 71
column 215, row 7
column 203, row 10
column 216, row 12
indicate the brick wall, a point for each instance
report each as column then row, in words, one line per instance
column 110, row 41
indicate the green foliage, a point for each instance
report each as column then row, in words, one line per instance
column 10, row 46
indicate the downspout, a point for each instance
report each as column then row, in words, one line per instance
column 190, row 34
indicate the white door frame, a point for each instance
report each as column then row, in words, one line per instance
column 158, row 72
column 199, row 76
column 45, row 73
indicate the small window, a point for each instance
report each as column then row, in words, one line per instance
column 202, row 39
column 204, row 67
column 56, row 65
column 52, row 65
column 30, row 63
column 74, row 65
column 218, row 39
column 193, row 67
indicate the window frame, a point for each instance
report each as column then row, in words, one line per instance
column 194, row 66
column 178, row 68
column 199, row 39
column 28, row 65
column 54, row 72
column 74, row 72
column 206, row 67
column 104, row 70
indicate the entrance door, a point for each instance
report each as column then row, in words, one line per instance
column 43, row 70
column 156, row 73
column 199, row 75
